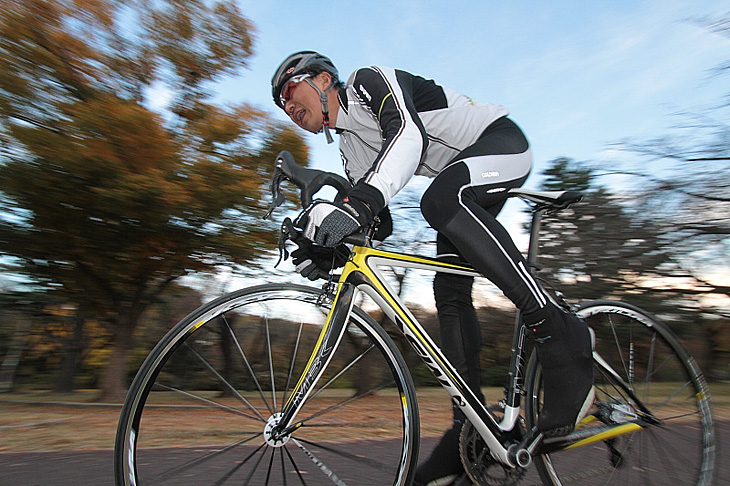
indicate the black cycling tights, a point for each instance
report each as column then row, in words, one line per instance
column 462, row 203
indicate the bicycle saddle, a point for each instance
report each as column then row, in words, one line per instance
column 547, row 199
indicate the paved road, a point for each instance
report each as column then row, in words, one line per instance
column 94, row 468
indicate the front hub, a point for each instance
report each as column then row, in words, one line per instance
column 272, row 434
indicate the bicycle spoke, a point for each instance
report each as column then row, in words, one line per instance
column 327, row 471
column 271, row 363
column 650, row 370
column 255, row 466
column 240, row 464
column 294, row 465
column 252, row 347
column 225, row 382
column 673, row 395
column 207, row 457
column 680, row 416
column 283, row 470
column 625, row 454
column 295, row 353
column 622, row 394
column 211, row 402
column 620, row 351
column 248, row 365
column 667, row 448
column 657, row 369
column 341, row 372
column 341, row 404
column 271, row 463
column 347, row 455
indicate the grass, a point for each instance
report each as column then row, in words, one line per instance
column 43, row 421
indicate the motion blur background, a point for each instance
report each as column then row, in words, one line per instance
column 137, row 139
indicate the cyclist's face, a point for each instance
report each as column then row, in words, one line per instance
column 303, row 105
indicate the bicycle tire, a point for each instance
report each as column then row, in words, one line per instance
column 195, row 415
column 649, row 357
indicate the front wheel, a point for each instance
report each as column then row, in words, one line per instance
column 655, row 383
column 201, row 408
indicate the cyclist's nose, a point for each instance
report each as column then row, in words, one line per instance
column 289, row 108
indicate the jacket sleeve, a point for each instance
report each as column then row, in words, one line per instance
column 387, row 94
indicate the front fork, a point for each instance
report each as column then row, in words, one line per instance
column 329, row 339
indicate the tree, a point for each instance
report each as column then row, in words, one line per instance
column 596, row 248
column 680, row 186
column 107, row 201
column 673, row 213
column 607, row 247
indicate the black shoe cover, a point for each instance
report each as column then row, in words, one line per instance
column 444, row 466
column 564, row 348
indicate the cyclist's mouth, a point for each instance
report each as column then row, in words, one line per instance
column 300, row 116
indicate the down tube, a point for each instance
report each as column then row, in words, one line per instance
column 431, row 355
column 327, row 343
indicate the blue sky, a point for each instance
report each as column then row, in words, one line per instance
column 576, row 76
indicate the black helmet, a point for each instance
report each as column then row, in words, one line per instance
column 304, row 62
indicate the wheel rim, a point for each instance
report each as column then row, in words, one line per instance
column 207, row 398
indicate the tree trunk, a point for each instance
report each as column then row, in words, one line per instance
column 71, row 360
column 717, row 366
column 14, row 352
column 113, row 383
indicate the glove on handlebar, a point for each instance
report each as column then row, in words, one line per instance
column 315, row 262
column 327, row 224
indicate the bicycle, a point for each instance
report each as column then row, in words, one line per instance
column 289, row 384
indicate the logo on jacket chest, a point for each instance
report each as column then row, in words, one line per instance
column 364, row 93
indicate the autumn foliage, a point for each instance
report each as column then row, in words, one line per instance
column 108, row 200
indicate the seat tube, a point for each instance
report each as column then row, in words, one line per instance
column 518, row 362
column 325, row 347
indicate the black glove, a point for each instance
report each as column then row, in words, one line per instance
column 327, row 224
column 385, row 228
column 313, row 261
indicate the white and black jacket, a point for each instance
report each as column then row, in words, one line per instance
column 393, row 124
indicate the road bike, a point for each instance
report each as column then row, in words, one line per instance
column 290, row 384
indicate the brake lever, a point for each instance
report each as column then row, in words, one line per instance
column 277, row 197
column 285, row 234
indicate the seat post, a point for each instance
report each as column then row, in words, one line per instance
column 533, row 248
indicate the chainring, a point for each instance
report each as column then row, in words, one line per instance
column 479, row 464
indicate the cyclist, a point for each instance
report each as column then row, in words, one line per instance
column 393, row 125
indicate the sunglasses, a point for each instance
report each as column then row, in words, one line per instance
column 285, row 94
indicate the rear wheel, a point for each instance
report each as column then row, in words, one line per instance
column 200, row 407
column 663, row 378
